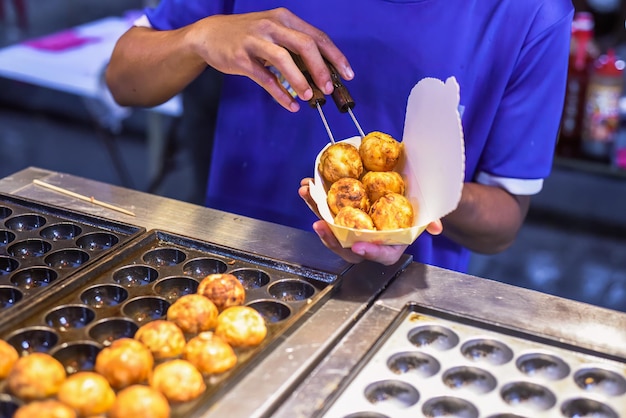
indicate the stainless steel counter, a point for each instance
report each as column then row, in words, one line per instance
column 304, row 370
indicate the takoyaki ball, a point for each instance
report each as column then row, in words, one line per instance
column 8, row 357
column 140, row 401
column 163, row 338
column 89, row 393
column 48, row 408
column 241, row 326
column 193, row 313
column 36, row 376
column 392, row 211
column 354, row 218
column 379, row 183
column 340, row 160
column 125, row 362
column 178, row 380
column 223, row 289
column 210, row 354
column 379, row 151
column 347, row 192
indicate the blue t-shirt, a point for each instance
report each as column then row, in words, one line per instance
column 508, row 56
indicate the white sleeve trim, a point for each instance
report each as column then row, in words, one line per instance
column 511, row 185
column 142, row 22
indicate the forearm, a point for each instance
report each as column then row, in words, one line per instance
column 149, row 67
column 487, row 218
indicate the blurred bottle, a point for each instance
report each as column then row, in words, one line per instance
column 601, row 115
column 583, row 52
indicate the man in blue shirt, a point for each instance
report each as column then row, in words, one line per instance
column 508, row 56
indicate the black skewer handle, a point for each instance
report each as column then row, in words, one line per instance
column 342, row 98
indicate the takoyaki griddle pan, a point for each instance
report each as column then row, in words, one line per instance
column 133, row 286
column 42, row 245
column 433, row 364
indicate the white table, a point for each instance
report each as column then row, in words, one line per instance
column 73, row 61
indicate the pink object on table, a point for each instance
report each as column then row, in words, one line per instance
column 61, row 41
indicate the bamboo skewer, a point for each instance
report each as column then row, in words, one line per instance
column 82, row 197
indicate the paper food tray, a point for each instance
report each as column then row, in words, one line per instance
column 432, row 164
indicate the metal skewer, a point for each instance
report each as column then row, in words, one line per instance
column 330, row 134
column 356, row 123
column 341, row 96
column 318, row 99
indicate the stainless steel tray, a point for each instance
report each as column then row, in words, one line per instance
column 433, row 364
column 111, row 299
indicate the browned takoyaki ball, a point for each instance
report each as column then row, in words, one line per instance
column 193, row 313
column 89, row 393
column 8, row 357
column 241, row 326
column 354, row 218
column 36, row 376
column 223, row 289
column 125, row 362
column 379, row 183
column 210, row 354
column 178, row 380
column 48, row 408
column 163, row 338
column 379, row 151
column 340, row 160
column 392, row 211
column 347, row 192
column 140, row 401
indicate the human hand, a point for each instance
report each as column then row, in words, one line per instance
column 360, row 251
column 246, row 44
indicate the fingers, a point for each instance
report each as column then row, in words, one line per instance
column 266, row 79
column 247, row 44
column 327, row 237
column 383, row 254
column 313, row 45
column 264, row 54
column 278, row 56
column 435, row 227
column 304, row 193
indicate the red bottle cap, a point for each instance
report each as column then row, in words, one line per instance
column 583, row 22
